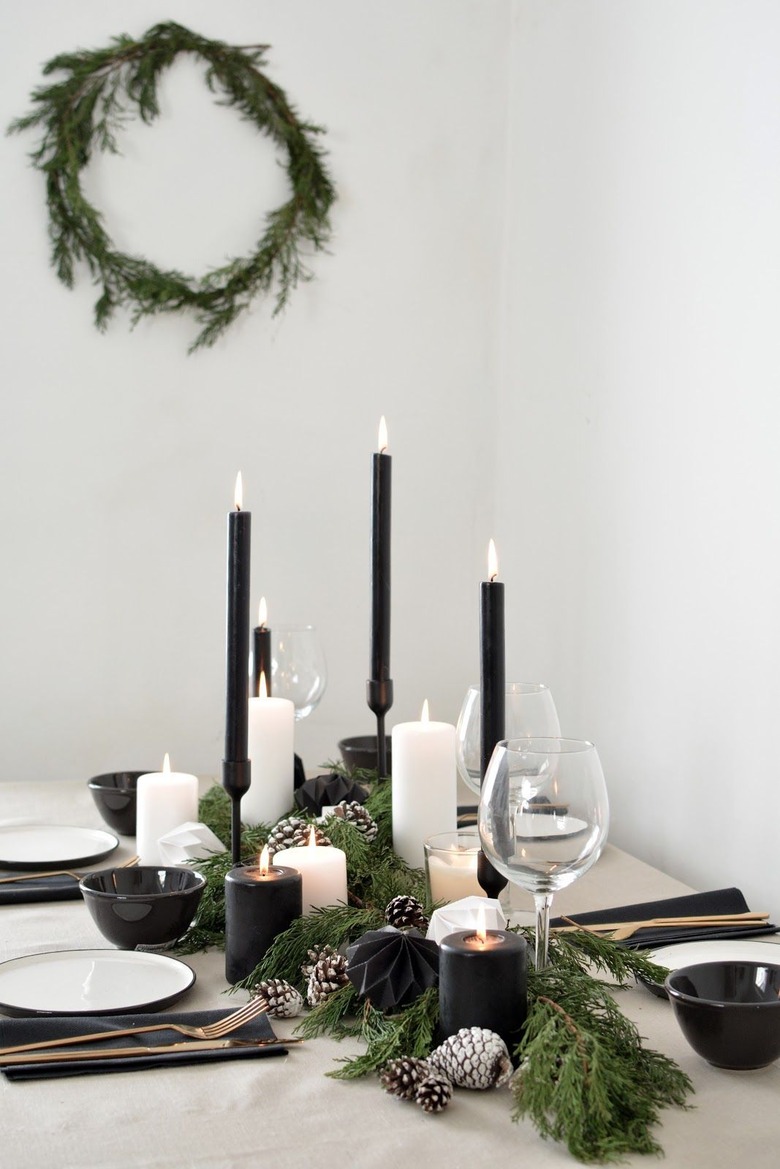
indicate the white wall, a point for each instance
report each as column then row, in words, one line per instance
column 639, row 476
column 119, row 452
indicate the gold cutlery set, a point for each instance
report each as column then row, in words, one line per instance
column 619, row 931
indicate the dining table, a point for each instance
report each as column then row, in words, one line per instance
column 287, row 1112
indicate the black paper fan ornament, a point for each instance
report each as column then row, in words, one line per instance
column 392, row 967
column 328, row 790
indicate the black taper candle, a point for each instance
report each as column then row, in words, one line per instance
column 236, row 768
column 492, row 693
column 258, row 906
column 379, row 688
column 483, row 984
column 261, row 653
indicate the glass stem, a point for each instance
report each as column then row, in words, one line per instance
column 542, row 901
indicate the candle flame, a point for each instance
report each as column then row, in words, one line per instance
column 481, row 930
column 263, row 862
column 425, row 717
column 239, row 496
column 312, row 838
column 166, row 764
column 262, row 687
column 382, row 444
column 492, row 561
column 262, row 614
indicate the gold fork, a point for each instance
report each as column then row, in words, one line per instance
column 232, row 1022
column 61, row 873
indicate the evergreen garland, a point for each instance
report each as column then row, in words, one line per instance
column 81, row 113
column 584, row 1076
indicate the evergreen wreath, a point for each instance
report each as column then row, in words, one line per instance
column 81, row 113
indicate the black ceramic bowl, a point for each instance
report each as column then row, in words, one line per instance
column 360, row 752
column 143, row 906
column 729, row 1011
column 115, row 794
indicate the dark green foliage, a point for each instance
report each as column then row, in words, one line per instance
column 83, row 112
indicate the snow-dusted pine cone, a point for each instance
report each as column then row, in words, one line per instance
column 292, row 832
column 328, row 975
column 474, row 1058
column 434, row 1092
column 282, row 1001
column 356, row 814
column 401, row 1076
column 406, row 913
column 313, row 957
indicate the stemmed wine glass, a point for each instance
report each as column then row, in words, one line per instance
column 529, row 710
column 298, row 668
column 543, row 818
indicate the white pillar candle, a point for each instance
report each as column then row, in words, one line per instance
column 424, row 785
column 164, row 800
column 323, row 870
column 271, row 749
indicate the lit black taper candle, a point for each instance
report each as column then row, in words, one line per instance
column 261, row 651
column 236, row 770
column 492, row 692
column 379, row 688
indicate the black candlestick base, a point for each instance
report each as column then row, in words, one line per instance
column 489, row 878
column 236, row 780
column 379, row 695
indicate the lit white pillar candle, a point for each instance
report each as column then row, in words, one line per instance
column 164, row 800
column 272, row 752
column 424, row 785
column 323, row 870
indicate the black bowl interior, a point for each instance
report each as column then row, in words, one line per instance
column 361, row 751
column 142, row 881
column 727, row 982
column 121, row 782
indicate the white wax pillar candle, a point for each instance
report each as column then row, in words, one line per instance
column 271, row 750
column 424, row 785
column 164, row 800
column 323, row 870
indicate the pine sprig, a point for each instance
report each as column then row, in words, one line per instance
column 408, row 1033
column 82, row 113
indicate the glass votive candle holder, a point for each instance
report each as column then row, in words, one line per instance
column 451, row 866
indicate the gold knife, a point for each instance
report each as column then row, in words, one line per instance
column 59, row 1056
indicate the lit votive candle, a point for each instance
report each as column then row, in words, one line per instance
column 482, row 983
column 164, row 800
column 451, row 866
column 324, row 872
column 261, row 901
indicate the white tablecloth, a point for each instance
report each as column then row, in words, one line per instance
column 286, row 1113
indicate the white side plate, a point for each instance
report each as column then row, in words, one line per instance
column 91, row 982
column 53, row 846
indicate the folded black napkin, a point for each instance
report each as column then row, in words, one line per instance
column 35, row 1030
column 704, row 904
column 60, row 888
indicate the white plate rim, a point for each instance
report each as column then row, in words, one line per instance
column 21, row 1010
column 97, row 844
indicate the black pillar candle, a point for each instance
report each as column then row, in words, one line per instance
column 261, row 653
column 482, row 983
column 492, row 693
column 379, row 688
column 260, row 902
column 236, row 771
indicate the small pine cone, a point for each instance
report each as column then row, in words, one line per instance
column 314, row 956
column 474, row 1058
column 328, row 975
column 406, row 913
column 356, row 814
column 401, row 1076
column 282, row 1001
column 292, row 832
column 434, row 1092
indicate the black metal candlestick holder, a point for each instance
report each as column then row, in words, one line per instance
column 236, row 780
column 379, row 695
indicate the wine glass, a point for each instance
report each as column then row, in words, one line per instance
column 298, row 668
column 543, row 818
column 529, row 710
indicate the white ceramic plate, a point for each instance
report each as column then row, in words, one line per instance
column 715, row 950
column 541, row 826
column 53, row 846
column 91, row 982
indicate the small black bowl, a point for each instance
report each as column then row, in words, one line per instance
column 115, row 796
column 729, row 1011
column 361, row 752
column 143, row 906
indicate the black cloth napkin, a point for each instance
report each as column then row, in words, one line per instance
column 34, row 1030
column 704, row 904
column 61, row 888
